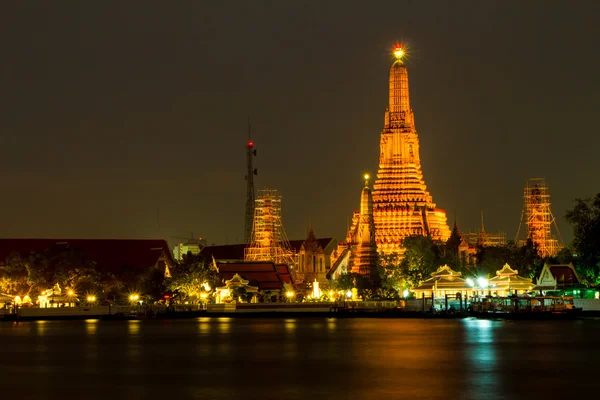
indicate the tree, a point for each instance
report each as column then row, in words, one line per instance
column 192, row 276
column 585, row 220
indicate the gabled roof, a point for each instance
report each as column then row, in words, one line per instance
column 506, row 271
column 559, row 277
column 445, row 278
column 445, row 270
column 564, row 274
column 265, row 275
column 296, row 245
column 109, row 254
column 284, row 273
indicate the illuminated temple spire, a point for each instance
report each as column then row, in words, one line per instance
column 361, row 237
column 402, row 205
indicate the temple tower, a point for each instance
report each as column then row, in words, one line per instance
column 361, row 237
column 402, row 206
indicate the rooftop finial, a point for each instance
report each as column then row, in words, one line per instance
column 367, row 177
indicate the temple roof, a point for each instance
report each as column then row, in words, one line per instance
column 445, row 270
column 264, row 275
column 564, row 273
column 507, row 270
column 444, row 279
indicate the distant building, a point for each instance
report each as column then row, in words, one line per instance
column 192, row 246
column 109, row 255
column 482, row 238
column 313, row 258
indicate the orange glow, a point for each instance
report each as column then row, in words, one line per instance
column 398, row 51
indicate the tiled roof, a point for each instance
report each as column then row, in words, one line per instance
column 564, row 274
column 265, row 275
column 109, row 254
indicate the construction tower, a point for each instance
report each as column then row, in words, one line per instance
column 539, row 220
column 268, row 240
column 251, row 171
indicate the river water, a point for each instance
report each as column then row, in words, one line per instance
column 304, row 358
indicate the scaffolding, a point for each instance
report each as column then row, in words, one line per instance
column 539, row 220
column 269, row 241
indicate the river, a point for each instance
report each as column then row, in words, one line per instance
column 304, row 358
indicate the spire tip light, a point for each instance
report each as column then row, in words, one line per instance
column 398, row 52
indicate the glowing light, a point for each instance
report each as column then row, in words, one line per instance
column 470, row 282
column 203, row 295
column 290, row 294
column 17, row 299
column 316, row 291
column 483, row 283
column 367, row 177
column 91, row 299
column 398, row 52
column 349, row 294
column 405, row 293
column 250, row 144
column 70, row 293
column 134, row 297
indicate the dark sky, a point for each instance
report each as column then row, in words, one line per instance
column 128, row 118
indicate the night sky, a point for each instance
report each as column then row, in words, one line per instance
column 129, row 118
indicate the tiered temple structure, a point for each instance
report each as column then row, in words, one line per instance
column 402, row 206
column 361, row 237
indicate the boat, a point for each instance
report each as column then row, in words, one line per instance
column 538, row 307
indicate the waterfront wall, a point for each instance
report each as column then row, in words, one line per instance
column 34, row 312
column 587, row 304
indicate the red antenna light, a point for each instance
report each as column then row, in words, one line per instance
column 250, row 144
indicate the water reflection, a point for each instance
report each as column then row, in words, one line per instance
column 224, row 325
column 311, row 357
column 40, row 327
column 133, row 327
column 481, row 362
column 91, row 326
column 290, row 325
column 204, row 325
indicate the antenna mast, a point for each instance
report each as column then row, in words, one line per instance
column 251, row 171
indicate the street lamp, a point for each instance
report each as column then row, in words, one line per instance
column 134, row 297
column 290, row 295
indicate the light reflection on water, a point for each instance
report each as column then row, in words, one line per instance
column 91, row 326
column 316, row 358
column 481, row 362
